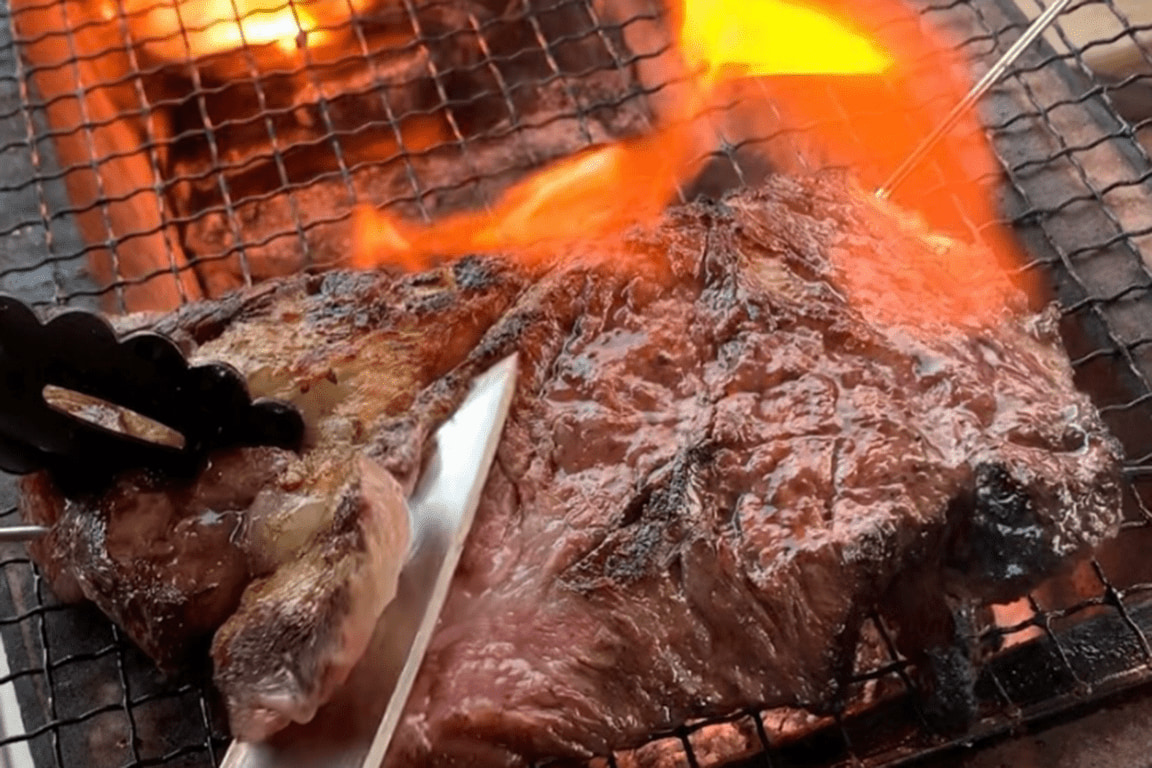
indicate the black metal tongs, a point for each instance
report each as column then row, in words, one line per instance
column 207, row 405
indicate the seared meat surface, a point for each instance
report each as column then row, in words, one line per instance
column 318, row 611
column 736, row 434
column 164, row 561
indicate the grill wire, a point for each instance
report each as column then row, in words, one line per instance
column 191, row 210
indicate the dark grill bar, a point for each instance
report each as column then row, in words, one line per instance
column 133, row 179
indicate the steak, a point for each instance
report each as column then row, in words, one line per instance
column 737, row 434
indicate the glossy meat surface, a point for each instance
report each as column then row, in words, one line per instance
column 719, row 461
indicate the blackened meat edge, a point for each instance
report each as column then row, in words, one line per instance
column 725, row 452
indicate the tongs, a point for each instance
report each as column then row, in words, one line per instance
column 205, row 407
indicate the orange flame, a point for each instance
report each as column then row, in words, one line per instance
column 594, row 193
column 870, row 125
column 605, row 189
column 862, row 78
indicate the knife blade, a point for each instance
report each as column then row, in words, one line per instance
column 355, row 728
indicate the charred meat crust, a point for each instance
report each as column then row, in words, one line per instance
column 767, row 462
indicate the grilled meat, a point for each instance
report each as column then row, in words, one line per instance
column 298, row 632
column 720, row 459
column 163, row 560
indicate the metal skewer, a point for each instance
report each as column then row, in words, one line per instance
column 22, row 533
column 1042, row 22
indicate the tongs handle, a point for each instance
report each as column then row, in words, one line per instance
column 208, row 405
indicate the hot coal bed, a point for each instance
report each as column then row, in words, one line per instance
column 247, row 165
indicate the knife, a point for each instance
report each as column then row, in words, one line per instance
column 355, row 728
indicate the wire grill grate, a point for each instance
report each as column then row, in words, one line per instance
column 130, row 179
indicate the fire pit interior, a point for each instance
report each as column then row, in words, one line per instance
column 154, row 154
column 210, row 160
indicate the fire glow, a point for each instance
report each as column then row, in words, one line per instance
column 604, row 190
column 755, row 38
column 191, row 29
column 810, row 60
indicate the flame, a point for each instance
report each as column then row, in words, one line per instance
column 605, row 189
column 594, row 193
column 869, row 125
column 285, row 29
column 755, row 38
column 179, row 30
column 846, row 69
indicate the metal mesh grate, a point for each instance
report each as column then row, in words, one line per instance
column 131, row 179
column 186, row 181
